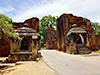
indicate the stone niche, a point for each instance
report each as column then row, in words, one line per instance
column 27, row 48
column 64, row 24
column 77, row 41
column 51, row 39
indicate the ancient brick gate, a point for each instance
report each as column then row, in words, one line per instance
column 27, row 48
column 64, row 24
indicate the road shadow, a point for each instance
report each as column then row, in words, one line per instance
column 6, row 69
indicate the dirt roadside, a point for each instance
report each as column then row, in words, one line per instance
column 94, row 56
column 37, row 68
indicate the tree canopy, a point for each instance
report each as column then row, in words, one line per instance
column 45, row 23
column 96, row 27
column 6, row 27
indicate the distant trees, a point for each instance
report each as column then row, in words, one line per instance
column 6, row 27
column 96, row 27
column 45, row 23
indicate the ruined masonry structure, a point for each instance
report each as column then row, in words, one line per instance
column 51, row 39
column 28, row 47
column 32, row 23
column 98, row 40
column 77, row 41
column 5, row 42
column 64, row 24
column 4, row 45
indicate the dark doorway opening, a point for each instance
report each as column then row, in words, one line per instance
column 24, row 44
column 79, row 40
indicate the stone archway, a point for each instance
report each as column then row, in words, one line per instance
column 24, row 44
column 80, row 39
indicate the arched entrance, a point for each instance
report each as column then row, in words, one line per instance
column 24, row 44
column 80, row 39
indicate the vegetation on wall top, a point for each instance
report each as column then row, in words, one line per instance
column 6, row 27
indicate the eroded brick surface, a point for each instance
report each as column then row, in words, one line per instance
column 32, row 23
column 98, row 40
column 65, row 22
column 51, row 39
column 4, row 45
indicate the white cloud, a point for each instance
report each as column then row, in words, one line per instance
column 7, row 9
column 84, row 8
column 40, row 10
column 1, row 11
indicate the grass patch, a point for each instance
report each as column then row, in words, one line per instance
column 96, row 51
column 43, row 47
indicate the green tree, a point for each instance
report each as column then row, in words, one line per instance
column 45, row 23
column 6, row 27
column 96, row 27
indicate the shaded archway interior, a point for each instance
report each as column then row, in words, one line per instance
column 79, row 41
column 24, row 44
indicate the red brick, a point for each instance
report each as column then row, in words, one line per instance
column 4, row 45
column 51, row 39
column 64, row 23
column 98, row 40
column 5, row 42
column 32, row 23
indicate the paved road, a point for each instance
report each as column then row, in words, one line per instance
column 66, row 64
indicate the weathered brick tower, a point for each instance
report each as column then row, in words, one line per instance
column 51, row 39
column 64, row 24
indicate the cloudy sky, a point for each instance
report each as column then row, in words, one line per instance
column 19, row 10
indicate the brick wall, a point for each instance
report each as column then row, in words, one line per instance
column 64, row 23
column 5, row 42
column 51, row 39
column 4, row 45
column 32, row 23
column 98, row 40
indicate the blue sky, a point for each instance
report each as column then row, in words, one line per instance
column 20, row 10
